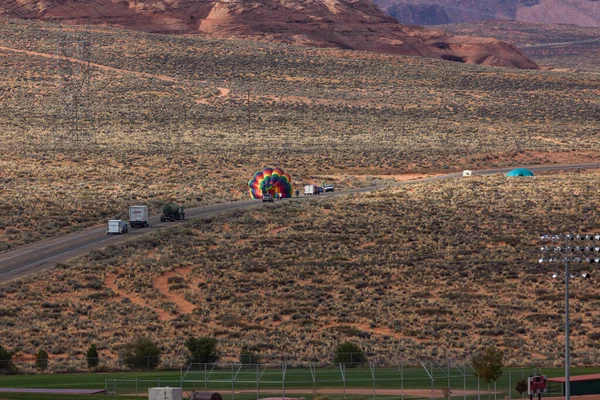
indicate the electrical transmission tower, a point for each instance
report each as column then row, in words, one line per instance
column 75, row 114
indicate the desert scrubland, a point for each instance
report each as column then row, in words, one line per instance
column 421, row 269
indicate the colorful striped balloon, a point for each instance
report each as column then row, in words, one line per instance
column 270, row 180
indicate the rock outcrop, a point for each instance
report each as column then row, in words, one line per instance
column 435, row 12
column 351, row 24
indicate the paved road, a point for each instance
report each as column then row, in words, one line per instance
column 46, row 254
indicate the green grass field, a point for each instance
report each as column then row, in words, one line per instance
column 298, row 381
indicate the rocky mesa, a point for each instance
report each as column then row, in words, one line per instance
column 435, row 12
column 351, row 24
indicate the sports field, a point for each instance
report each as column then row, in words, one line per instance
column 251, row 382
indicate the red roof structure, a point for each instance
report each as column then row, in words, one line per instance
column 561, row 379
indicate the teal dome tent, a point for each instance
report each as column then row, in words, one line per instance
column 520, row 172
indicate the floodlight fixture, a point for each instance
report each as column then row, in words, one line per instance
column 572, row 255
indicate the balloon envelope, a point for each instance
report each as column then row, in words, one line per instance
column 270, row 180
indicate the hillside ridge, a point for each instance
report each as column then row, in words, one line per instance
column 437, row 12
column 347, row 24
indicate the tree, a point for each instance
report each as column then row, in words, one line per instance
column 6, row 364
column 141, row 354
column 487, row 364
column 203, row 350
column 41, row 360
column 521, row 387
column 349, row 353
column 248, row 357
column 92, row 356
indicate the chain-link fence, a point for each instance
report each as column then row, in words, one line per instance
column 425, row 380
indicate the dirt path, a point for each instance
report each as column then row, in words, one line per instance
column 96, row 65
column 437, row 393
column 162, row 284
column 111, row 282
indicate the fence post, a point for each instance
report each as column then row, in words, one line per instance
column 136, row 386
column 431, row 366
column 464, row 382
column 283, row 382
column 115, row 387
column 402, row 380
column 372, row 366
column 313, row 370
column 510, row 384
column 257, row 386
column 205, row 377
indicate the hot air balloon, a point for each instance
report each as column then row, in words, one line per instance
column 270, row 180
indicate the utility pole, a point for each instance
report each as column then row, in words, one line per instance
column 76, row 125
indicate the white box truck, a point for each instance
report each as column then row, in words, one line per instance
column 138, row 216
column 309, row 190
column 165, row 393
column 116, row 226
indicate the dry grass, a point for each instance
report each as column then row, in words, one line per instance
column 425, row 270
column 168, row 132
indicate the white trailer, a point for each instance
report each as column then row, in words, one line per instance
column 138, row 216
column 309, row 190
column 116, row 226
column 165, row 393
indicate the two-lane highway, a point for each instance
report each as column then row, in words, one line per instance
column 46, row 254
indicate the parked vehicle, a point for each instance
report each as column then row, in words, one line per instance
column 328, row 188
column 267, row 197
column 320, row 189
column 172, row 212
column 116, row 226
column 310, row 190
column 138, row 216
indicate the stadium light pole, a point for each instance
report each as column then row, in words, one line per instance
column 562, row 246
